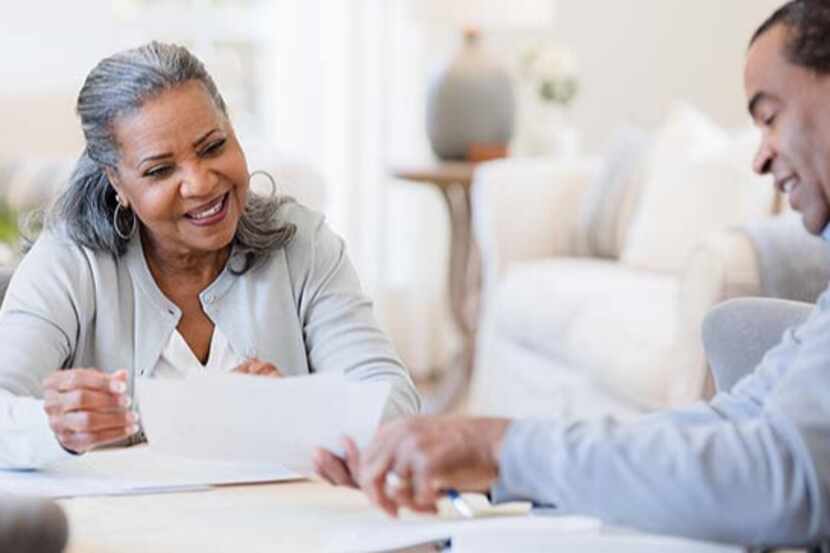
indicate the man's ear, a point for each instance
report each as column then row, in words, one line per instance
column 112, row 176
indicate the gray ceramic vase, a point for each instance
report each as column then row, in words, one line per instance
column 470, row 102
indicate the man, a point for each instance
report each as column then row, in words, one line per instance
column 750, row 467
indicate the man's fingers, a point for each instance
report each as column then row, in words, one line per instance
column 399, row 489
column 352, row 457
column 89, row 421
column 320, row 469
column 333, row 469
column 375, row 483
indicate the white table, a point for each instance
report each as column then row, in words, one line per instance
column 287, row 517
column 296, row 517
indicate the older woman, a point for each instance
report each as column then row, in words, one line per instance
column 159, row 261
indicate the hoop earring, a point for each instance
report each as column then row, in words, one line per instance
column 270, row 178
column 116, row 217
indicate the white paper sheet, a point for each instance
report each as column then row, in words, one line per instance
column 497, row 534
column 387, row 535
column 272, row 421
column 530, row 540
column 135, row 470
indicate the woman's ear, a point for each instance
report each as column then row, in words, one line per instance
column 112, row 176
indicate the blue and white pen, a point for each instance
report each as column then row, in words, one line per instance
column 460, row 505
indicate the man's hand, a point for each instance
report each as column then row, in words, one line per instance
column 427, row 456
column 88, row 408
column 338, row 471
column 261, row 368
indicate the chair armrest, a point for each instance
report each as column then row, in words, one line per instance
column 526, row 209
column 722, row 266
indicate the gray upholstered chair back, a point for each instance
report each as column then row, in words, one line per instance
column 737, row 334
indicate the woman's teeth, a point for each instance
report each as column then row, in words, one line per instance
column 210, row 211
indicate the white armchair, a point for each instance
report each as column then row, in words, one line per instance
column 567, row 335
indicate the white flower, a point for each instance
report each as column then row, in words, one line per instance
column 552, row 71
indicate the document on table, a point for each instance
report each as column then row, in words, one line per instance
column 497, row 534
column 254, row 419
column 134, row 470
column 392, row 535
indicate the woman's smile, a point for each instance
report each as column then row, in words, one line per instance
column 211, row 213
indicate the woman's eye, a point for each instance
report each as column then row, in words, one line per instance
column 214, row 148
column 159, row 172
column 769, row 120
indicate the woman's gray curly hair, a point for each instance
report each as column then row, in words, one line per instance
column 119, row 85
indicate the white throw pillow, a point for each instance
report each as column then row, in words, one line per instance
column 699, row 181
column 605, row 209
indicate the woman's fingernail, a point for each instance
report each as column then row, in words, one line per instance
column 125, row 401
column 132, row 416
column 133, row 429
column 117, row 386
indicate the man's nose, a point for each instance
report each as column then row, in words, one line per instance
column 763, row 158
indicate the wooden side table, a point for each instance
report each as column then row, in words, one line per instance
column 454, row 181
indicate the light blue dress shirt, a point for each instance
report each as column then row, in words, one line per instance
column 750, row 467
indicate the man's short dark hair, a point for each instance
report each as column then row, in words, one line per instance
column 808, row 23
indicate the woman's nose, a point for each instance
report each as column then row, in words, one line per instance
column 198, row 181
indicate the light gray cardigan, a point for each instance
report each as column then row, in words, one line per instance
column 68, row 306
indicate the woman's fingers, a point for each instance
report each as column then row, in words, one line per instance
column 81, row 442
column 91, row 422
column 90, row 379
column 84, row 400
column 257, row 367
column 88, row 407
column 266, row 369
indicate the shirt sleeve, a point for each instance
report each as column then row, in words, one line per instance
column 752, row 467
column 28, row 442
column 39, row 324
column 340, row 329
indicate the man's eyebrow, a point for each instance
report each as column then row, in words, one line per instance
column 753, row 103
column 204, row 137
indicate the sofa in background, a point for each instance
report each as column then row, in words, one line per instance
column 598, row 273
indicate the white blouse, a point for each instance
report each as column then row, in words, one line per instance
column 178, row 360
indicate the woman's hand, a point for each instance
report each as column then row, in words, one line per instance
column 411, row 462
column 261, row 368
column 88, row 408
column 338, row 471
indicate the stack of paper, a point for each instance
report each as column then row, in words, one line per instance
column 135, row 470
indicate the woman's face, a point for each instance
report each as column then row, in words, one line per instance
column 181, row 170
